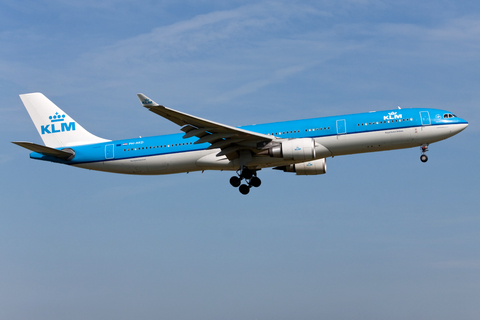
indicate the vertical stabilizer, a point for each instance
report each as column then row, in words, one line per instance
column 56, row 128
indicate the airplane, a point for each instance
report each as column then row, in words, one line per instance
column 299, row 146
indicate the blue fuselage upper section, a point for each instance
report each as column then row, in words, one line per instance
column 308, row 128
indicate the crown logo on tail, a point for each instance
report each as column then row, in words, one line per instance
column 57, row 117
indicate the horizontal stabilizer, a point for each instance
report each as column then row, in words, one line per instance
column 62, row 154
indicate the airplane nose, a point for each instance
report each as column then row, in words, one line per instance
column 459, row 127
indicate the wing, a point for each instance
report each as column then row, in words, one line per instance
column 229, row 139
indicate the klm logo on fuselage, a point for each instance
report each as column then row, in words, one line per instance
column 392, row 116
column 61, row 126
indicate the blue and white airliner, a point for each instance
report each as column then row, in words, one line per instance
column 299, row 146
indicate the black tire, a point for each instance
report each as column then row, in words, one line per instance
column 244, row 189
column 255, row 182
column 423, row 158
column 235, row 181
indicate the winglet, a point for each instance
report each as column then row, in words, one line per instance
column 146, row 101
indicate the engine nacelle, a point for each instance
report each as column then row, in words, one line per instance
column 294, row 149
column 308, row 168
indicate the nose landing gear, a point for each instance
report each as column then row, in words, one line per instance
column 424, row 149
column 250, row 177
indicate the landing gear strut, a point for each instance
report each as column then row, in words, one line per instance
column 424, row 149
column 250, row 177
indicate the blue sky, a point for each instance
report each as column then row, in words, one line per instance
column 379, row 236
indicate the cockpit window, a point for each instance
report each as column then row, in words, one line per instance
column 448, row 115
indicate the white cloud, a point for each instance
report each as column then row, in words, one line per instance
column 202, row 35
column 226, row 47
column 253, row 86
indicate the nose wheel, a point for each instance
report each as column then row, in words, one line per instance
column 424, row 149
column 250, row 177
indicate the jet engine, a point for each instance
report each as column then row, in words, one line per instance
column 308, row 168
column 294, row 149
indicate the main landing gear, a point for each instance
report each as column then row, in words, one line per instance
column 250, row 177
column 424, row 149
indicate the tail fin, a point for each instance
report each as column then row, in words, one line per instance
column 55, row 127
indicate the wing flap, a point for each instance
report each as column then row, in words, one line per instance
column 197, row 132
column 214, row 137
column 224, row 143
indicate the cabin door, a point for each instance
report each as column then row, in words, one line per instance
column 425, row 116
column 341, row 127
column 109, row 151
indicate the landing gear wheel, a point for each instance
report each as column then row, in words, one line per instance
column 423, row 158
column 255, row 182
column 244, row 189
column 235, row 181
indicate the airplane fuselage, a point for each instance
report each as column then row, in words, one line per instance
column 339, row 135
